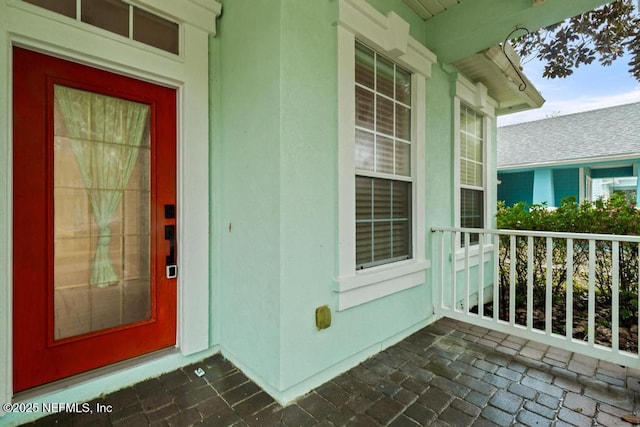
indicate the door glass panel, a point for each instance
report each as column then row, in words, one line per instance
column 101, row 212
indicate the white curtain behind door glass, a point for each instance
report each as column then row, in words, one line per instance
column 105, row 134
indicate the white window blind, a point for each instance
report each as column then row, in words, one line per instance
column 382, row 159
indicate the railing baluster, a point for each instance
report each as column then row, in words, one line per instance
column 467, row 277
column 512, row 280
column 454, row 240
column 615, row 301
column 530, row 243
column 569, row 307
column 496, row 277
column 591, row 316
column 439, row 296
column 548, row 300
column 481, row 275
column 599, row 247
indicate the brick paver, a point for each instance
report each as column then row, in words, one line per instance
column 448, row 374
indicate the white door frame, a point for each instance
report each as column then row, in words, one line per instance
column 26, row 25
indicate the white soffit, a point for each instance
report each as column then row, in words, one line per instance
column 426, row 9
column 491, row 68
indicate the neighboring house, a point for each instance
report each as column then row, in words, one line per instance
column 585, row 155
column 174, row 188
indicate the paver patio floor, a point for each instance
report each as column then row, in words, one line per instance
column 448, row 374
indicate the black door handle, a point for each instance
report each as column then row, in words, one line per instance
column 170, row 235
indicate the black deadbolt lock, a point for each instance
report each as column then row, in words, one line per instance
column 169, row 211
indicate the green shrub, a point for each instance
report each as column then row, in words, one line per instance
column 617, row 215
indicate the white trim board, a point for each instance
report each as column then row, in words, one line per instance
column 585, row 161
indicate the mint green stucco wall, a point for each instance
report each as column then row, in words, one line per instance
column 274, row 179
column 439, row 150
column 247, row 162
column 274, row 196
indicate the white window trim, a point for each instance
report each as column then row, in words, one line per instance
column 588, row 187
column 582, row 183
column 35, row 28
column 388, row 35
column 475, row 96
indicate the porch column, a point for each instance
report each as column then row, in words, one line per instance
column 636, row 166
column 543, row 187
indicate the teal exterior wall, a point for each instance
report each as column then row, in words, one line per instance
column 552, row 184
column 612, row 172
column 514, row 187
column 566, row 183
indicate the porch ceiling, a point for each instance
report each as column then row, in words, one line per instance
column 427, row 9
column 492, row 68
column 456, row 29
column 461, row 32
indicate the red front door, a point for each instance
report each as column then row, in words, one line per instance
column 94, row 217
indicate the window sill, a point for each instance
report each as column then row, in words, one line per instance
column 376, row 282
column 474, row 255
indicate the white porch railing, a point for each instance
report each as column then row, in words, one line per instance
column 575, row 291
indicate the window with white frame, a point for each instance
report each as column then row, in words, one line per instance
column 382, row 74
column 383, row 176
column 472, row 171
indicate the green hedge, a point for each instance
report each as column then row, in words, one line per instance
column 617, row 215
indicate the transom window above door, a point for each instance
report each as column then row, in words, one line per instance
column 120, row 18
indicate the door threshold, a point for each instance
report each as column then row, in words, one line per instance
column 92, row 375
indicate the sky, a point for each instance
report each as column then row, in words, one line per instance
column 590, row 87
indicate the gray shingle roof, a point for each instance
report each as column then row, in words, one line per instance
column 595, row 134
